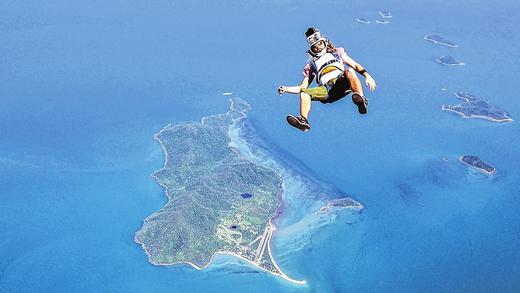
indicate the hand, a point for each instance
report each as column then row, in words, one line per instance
column 371, row 83
column 281, row 90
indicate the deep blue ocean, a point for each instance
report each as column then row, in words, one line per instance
column 84, row 86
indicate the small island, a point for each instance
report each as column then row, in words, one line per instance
column 448, row 60
column 478, row 164
column 340, row 203
column 382, row 21
column 363, row 20
column 385, row 14
column 477, row 107
column 439, row 40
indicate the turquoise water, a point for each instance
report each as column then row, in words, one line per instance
column 84, row 85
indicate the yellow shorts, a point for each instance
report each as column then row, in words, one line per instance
column 318, row 93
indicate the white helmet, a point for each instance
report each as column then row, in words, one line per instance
column 313, row 37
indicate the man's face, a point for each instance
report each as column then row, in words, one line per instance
column 318, row 46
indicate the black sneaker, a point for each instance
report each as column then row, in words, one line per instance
column 299, row 122
column 361, row 102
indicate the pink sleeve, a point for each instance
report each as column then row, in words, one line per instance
column 342, row 53
column 307, row 70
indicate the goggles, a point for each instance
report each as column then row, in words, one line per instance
column 314, row 38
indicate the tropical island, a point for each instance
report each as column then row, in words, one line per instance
column 385, row 14
column 477, row 163
column 477, row 107
column 363, row 20
column 218, row 201
column 439, row 40
column 448, row 60
column 340, row 203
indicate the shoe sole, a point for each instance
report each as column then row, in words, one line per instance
column 361, row 103
column 294, row 122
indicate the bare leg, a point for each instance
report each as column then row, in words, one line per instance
column 305, row 104
column 357, row 98
column 355, row 83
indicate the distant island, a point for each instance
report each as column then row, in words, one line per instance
column 439, row 40
column 477, row 107
column 340, row 203
column 477, row 163
column 448, row 60
column 385, row 14
column 363, row 20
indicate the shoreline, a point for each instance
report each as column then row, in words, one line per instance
column 278, row 210
column 363, row 20
column 508, row 119
column 222, row 252
column 452, row 45
column 165, row 155
column 486, row 172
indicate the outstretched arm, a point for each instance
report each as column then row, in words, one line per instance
column 369, row 81
column 294, row 89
